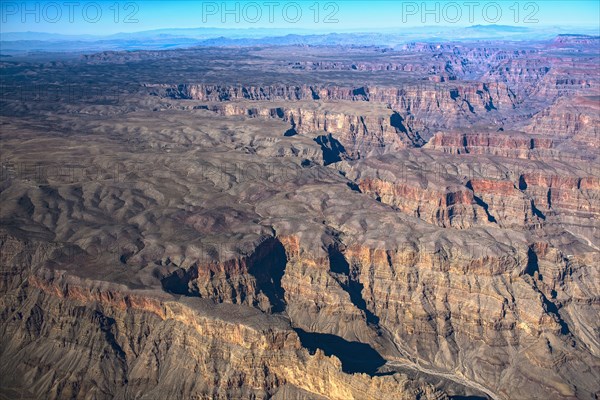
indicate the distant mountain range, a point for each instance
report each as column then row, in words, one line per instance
column 24, row 42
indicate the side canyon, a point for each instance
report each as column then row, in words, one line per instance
column 302, row 222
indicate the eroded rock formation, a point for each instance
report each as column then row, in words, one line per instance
column 416, row 229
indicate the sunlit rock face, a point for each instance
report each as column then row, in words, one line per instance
column 414, row 223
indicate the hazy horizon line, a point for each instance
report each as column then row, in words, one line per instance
column 309, row 30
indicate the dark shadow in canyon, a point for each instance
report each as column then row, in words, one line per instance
column 331, row 147
column 354, row 187
column 267, row 265
column 485, row 207
column 479, row 201
column 536, row 211
column 107, row 325
column 551, row 308
column 532, row 262
column 178, row 282
column 522, row 183
column 290, row 132
column 397, row 122
column 360, row 92
column 355, row 356
column 339, row 265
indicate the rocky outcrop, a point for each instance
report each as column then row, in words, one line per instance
column 178, row 347
column 497, row 143
column 372, row 234
column 443, row 105
column 574, row 40
column 445, row 207
column 516, row 315
column 481, row 190
column 358, row 128
column 573, row 118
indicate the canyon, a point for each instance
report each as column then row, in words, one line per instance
column 302, row 222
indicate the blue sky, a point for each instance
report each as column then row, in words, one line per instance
column 108, row 17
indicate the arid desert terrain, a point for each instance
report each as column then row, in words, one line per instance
column 302, row 222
